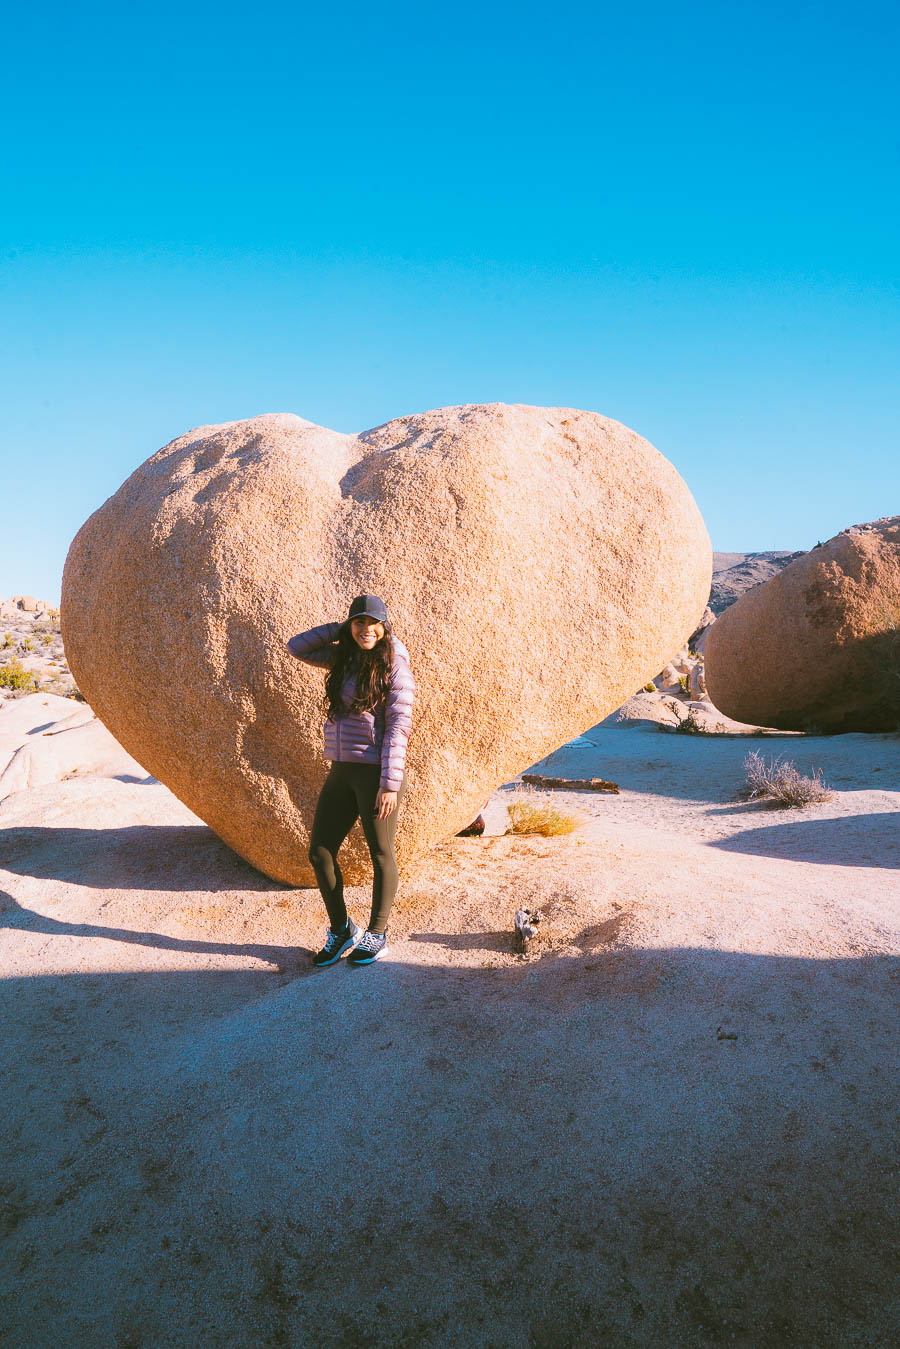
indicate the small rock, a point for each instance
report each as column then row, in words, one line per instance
column 527, row 925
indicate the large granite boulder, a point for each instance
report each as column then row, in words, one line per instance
column 524, row 555
column 817, row 647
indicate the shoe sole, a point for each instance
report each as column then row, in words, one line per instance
column 347, row 946
column 367, row 960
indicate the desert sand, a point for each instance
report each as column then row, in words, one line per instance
column 672, row 1124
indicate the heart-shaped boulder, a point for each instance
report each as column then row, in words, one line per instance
column 540, row 564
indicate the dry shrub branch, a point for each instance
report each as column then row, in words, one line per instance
column 779, row 781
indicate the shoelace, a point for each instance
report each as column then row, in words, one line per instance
column 370, row 941
column 335, row 939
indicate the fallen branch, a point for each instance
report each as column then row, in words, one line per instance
column 571, row 784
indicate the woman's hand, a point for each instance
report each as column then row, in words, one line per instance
column 385, row 803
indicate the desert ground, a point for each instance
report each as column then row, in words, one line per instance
column 672, row 1123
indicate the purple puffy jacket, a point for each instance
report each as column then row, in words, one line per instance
column 375, row 736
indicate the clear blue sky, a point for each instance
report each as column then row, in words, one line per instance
column 683, row 217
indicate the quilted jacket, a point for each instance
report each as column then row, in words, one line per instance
column 378, row 735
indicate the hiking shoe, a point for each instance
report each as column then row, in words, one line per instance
column 369, row 947
column 336, row 943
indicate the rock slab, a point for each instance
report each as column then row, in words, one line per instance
column 524, row 556
column 817, row 647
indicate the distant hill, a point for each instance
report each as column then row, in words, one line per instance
column 733, row 573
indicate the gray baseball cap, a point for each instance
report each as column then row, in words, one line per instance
column 371, row 606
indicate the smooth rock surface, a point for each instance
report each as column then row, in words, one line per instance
column 818, row 646
column 524, row 555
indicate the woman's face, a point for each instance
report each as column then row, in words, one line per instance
column 366, row 632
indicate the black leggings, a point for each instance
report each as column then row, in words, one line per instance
column 348, row 794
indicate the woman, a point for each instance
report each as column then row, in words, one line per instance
column 368, row 698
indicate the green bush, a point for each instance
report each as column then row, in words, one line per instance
column 13, row 675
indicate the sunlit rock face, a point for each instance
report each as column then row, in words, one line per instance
column 524, row 554
column 818, row 646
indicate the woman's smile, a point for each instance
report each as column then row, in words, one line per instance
column 365, row 632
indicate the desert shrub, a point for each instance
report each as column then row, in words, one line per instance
column 13, row 675
column 649, row 688
column 536, row 816
column 28, row 644
column 692, row 726
column 683, row 683
column 9, row 640
column 778, row 780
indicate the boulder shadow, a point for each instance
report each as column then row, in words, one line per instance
column 132, row 857
column 848, row 841
column 15, row 916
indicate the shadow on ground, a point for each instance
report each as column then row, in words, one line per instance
column 845, row 840
column 631, row 1147
column 16, row 916
column 711, row 768
column 642, row 1148
column 141, row 857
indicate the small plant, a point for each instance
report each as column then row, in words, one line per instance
column 540, row 817
column 779, row 781
column 28, row 644
column 692, row 726
column 13, row 675
column 649, row 688
column 682, row 683
column 9, row 640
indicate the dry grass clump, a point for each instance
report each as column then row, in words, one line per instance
column 779, row 781
column 533, row 814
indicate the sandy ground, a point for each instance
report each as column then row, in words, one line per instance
column 673, row 1124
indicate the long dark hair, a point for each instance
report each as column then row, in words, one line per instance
column 373, row 673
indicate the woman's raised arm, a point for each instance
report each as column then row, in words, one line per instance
column 316, row 646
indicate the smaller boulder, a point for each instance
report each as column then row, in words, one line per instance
column 817, row 647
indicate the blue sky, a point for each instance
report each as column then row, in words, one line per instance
column 685, row 218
